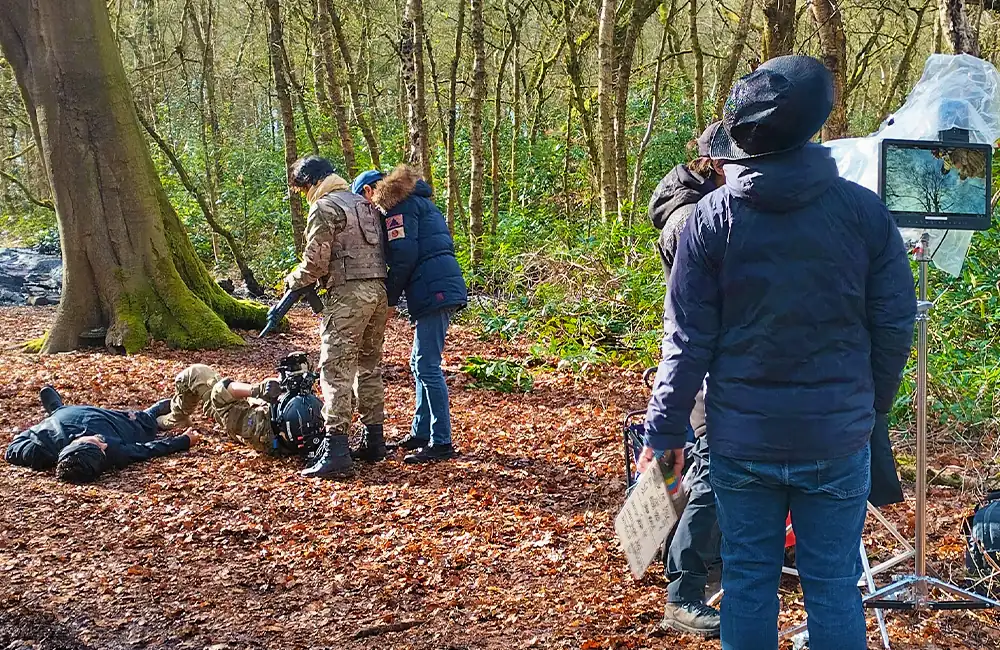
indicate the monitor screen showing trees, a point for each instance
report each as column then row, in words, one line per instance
column 942, row 185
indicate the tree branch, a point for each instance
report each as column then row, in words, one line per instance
column 42, row 203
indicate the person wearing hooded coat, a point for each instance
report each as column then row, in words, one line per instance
column 93, row 439
column 692, row 551
column 420, row 253
column 793, row 293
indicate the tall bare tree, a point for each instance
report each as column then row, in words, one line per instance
column 833, row 45
column 606, row 108
column 412, row 52
column 128, row 264
column 735, row 56
column 334, row 88
column 904, row 62
column 957, row 28
column 699, row 67
column 276, row 47
column 454, row 187
column 353, row 86
column 778, row 38
column 476, row 144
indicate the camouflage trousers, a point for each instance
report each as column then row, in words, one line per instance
column 352, row 333
column 246, row 420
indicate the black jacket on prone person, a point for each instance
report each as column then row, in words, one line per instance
column 792, row 291
column 131, row 437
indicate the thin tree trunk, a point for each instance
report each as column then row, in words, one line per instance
column 957, row 28
column 535, row 87
column 275, row 48
column 606, row 108
column 778, row 38
column 735, row 55
column 515, row 133
column 833, row 44
column 334, row 90
column 301, row 97
column 323, row 133
column 128, row 265
column 579, row 97
column 495, row 138
column 412, row 51
column 903, row 65
column 654, row 110
column 354, row 87
column 253, row 287
column 454, row 187
column 641, row 11
column 699, row 67
column 476, row 145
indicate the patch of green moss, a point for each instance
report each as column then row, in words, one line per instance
column 34, row 346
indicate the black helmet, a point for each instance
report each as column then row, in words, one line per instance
column 298, row 422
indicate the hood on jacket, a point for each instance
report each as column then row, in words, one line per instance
column 679, row 187
column 783, row 182
column 398, row 186
column 331, row 183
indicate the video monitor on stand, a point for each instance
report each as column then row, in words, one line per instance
column 940, row 185
column 937, row 185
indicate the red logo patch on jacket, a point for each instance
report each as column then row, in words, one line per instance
column 395, row 221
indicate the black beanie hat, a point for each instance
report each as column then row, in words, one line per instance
column 80, row 463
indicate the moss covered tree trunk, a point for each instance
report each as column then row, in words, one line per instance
column 128, row 263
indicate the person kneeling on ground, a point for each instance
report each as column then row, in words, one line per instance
column 693, row 549
column 82, row 442
column 422, row 264
column 278, row 417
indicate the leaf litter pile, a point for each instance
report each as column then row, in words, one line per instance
column 511, row 546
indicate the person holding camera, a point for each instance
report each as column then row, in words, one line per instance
column 344, row 253
column 793, row 293
column 245, row 411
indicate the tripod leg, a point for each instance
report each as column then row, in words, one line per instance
column 870, row 582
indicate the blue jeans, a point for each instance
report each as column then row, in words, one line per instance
column 694, row 547
column 432, row 420
column 827, row 501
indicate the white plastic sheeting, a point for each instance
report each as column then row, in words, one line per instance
column 955, row 91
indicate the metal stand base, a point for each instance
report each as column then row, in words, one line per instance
column 914, row 595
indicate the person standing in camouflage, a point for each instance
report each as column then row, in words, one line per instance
column 344, row 254
column 243, row 410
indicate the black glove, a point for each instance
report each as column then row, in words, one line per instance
column 268, row 390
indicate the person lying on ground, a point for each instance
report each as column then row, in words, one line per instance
column 267, row 417
column 82, row 442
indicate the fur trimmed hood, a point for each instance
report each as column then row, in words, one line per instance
column 398, row 186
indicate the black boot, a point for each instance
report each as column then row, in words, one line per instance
column 372, row 448
column 431, row 454
column 50, row 399
column 334, row 461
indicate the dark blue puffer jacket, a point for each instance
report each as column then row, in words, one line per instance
column 421, row 251
column 792, row 291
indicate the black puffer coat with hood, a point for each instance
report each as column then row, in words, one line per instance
column 793, row 292
column 670, row 206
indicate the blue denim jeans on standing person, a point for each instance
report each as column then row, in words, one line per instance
column 827, row 501
column 694, row 547
column 432, row 420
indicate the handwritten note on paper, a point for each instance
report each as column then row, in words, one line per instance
column 645, row 521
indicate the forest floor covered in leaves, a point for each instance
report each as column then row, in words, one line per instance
column 511, row 546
